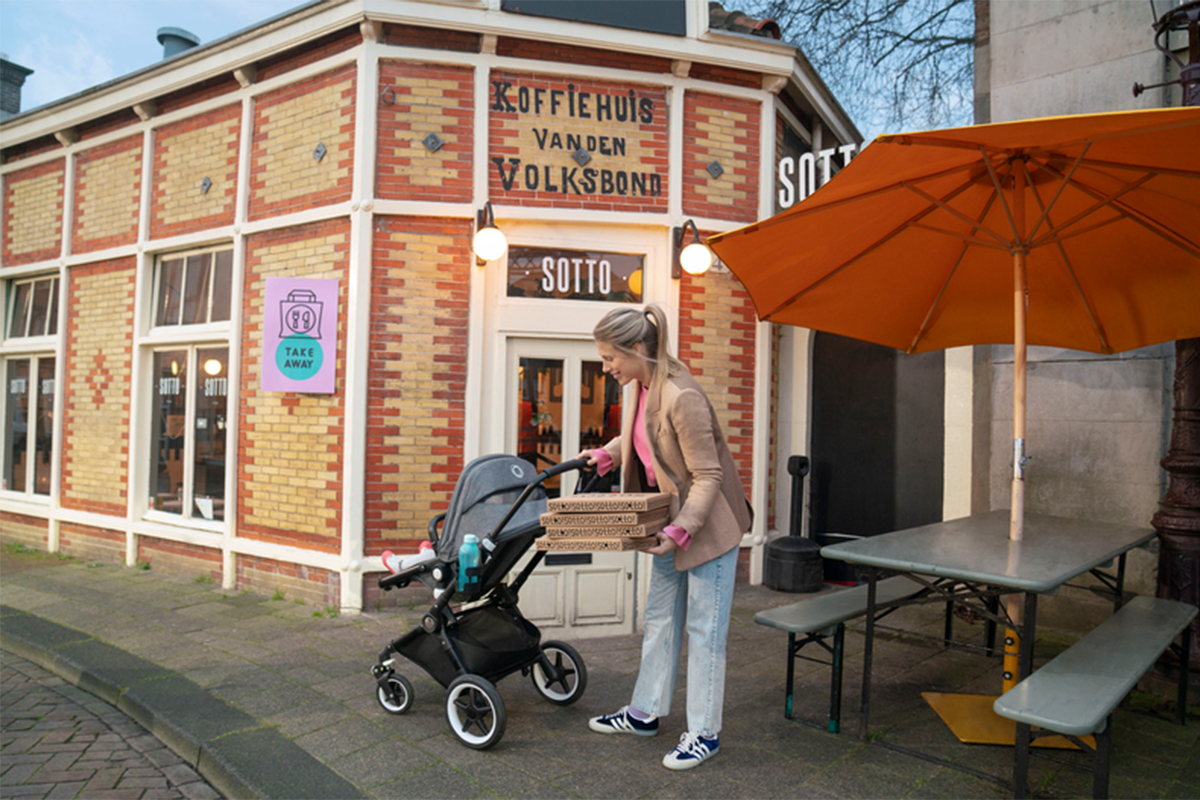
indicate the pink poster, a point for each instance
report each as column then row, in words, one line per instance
column 300, row 335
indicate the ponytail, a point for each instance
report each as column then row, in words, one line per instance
column 625, row 328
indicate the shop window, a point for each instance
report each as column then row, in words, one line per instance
column 33, row 309
column 187, row 427
column 190, row 385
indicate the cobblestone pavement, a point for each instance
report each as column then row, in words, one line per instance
column 58, row 741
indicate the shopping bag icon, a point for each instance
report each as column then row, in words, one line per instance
column 300, row 314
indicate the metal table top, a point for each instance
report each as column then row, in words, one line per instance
column 977, row 548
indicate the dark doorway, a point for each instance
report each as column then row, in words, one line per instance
column 878, row 433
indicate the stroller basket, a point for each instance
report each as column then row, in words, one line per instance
column 492, row 642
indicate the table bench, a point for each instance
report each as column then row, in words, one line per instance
column 824, row 616
column 1075, row 693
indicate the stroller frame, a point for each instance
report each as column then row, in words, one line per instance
column 470, row 649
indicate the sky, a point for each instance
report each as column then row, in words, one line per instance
column 72, row 45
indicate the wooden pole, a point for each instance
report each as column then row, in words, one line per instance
column 1016, row 528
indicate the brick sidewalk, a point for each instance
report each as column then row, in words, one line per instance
column 60, row 741
column 268, row 698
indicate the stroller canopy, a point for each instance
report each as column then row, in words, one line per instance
column 486, row 490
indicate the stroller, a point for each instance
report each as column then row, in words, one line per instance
column 500, row 500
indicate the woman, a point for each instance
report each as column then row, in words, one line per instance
column 673, row 444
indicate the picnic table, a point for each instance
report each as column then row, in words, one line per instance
column 971, row 562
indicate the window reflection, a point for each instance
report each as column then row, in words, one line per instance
column 212, row 387
column 44, row 445
column 169, row 429
column 16, row 425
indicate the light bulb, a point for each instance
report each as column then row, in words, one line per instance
column 212, row 366
column 696, row 258
column 489, row 243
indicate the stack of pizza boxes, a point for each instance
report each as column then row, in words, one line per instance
column 598, row 522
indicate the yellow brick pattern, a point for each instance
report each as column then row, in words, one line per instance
column 427, row 105
column 37, row 216
column 417, row 404
column 428, row 99
column 292, row 465
column 285, row 168
column 719, row 140
column 97, row 390
column 108, row 205
column 186, row 159
column 724, row 130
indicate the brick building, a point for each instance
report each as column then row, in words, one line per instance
column 245, row 336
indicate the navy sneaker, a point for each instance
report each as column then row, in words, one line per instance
column 691, row 751
column 622, row 722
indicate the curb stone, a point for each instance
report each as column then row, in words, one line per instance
column 233, row 751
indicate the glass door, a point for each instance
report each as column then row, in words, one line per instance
column 560, row 402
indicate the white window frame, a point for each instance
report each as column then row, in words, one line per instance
column 34, row 349
column 36, row 341
column 191, row 338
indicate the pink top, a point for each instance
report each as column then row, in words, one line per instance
column 641, row 446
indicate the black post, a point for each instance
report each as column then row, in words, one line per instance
column 797, row 467
column 1178, row 520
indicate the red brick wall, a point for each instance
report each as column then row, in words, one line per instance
column 310, row 585
column 108, row 123
column 717, row 327
column 727, row 75
column 417, row 376
column 91, row 543
column 309, row 53
column 178, row 558
column 217, row 86
column 34, row 147
column 425, row 99
column 586, row 56
column 30, row 531
column 432, row 38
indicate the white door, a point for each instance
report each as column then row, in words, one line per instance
column 558, row 402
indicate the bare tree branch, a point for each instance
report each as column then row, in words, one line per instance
column 898, row 64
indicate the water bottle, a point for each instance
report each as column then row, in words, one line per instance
column 468, row 560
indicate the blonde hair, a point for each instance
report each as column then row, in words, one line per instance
column 625, row 328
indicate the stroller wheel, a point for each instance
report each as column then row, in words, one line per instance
column 397, row 697
column 475, row 711
column 562, row 677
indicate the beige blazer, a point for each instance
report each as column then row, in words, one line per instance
column 693, row 465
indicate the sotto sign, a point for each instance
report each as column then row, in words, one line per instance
column 300, row 335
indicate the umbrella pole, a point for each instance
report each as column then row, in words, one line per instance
column 1012, row 602
column 1016, row 528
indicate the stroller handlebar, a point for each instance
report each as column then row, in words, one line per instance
column 566, row 466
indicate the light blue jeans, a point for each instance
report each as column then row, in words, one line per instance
column 698, row 601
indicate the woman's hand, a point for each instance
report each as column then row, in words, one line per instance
column 665, row 545
column 591, row 459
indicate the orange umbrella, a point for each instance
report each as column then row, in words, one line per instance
column 932, row 240
column 1079, row 232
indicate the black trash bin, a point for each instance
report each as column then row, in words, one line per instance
column 840, row 572
column 793, row 563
